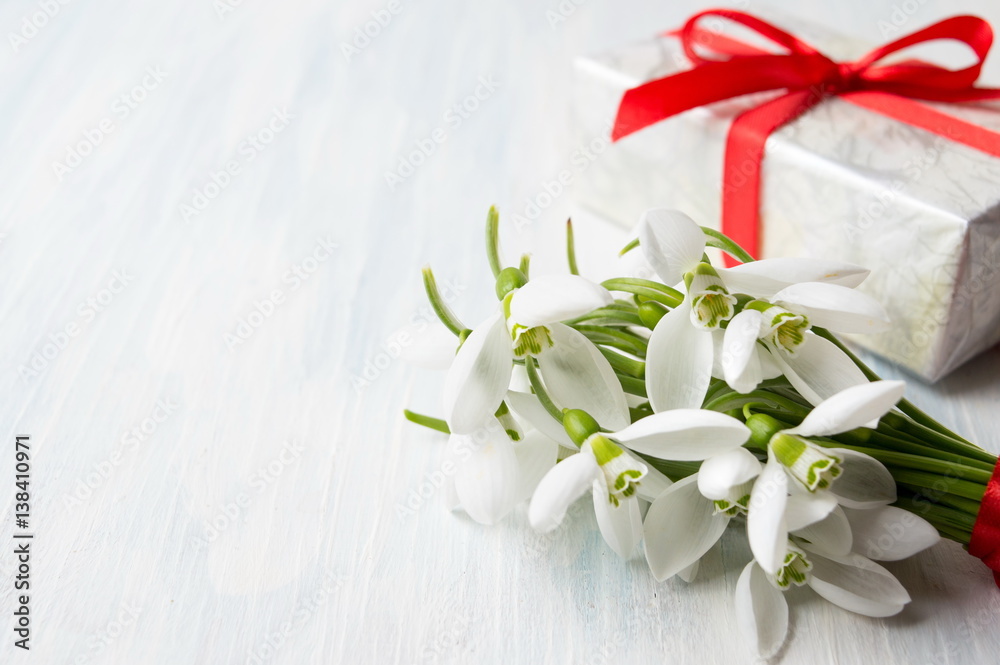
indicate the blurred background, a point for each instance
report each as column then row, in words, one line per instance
column 211, row 227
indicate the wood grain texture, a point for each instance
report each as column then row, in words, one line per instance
column 202, row 501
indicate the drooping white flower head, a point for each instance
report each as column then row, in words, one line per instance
column 608, row 464
column 780, row 330
column 527, row 323
column 803, row 482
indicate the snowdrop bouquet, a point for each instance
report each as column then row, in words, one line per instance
column 705, row 398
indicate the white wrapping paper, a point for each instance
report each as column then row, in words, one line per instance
column 840, row 182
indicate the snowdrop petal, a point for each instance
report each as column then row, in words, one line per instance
column 536, row 455
column 680, row 527
column 740, row 352
column 830, row 535
column 479, row 376
column 689, row 573
column 835, row 307
column 761, row 612
column 553, row 298
column 766, row 527
column 769, row 368
column 805, row 508
column 819, row 370
column 487, row 482
column 721, row 473
column 857, row 584
column 620, row 525
column 652, row 484
column 857, row 406
column 566, row 482
column 528, row 408
column 889, row 533
column 684, row 434
column 579, row 377
column 763, row 279
column 864, row 483
column 672, row 243
column 678, row 362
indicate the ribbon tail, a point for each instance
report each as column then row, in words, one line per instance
column 930, row 119
column 741, row 174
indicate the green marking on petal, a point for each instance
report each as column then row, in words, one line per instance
column 794, row 569
column 814, row 468
column 622, row 472
column 530, row 341
column 711, row 303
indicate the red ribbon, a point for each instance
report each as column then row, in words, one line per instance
column 985, row 541
column 808, row 77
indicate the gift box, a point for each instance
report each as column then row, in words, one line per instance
column 840, row 182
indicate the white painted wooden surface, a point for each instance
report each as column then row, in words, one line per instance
column 257, row 521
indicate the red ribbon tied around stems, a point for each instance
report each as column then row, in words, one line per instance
column 808, row 77
column 985, row 541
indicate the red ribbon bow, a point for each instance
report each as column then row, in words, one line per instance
column 808, row 77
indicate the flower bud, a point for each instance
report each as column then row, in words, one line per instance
column 508, row 280
column 579, row 425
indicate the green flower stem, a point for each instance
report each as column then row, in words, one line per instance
column 440, row 307
column 629, row 247
column 889, row 442
column 950, row 443
column 673, row 470
column 632, row 385
column 426, row 421
column 539, row 388
column 647, row 289
column 720, row 241
column 493, row 241
column 571, row 248
column 941, row 468
column 958, row 503
column 929, row 481
column 715, row 388
column 609, row 316
column 936, row 514
column 734, row 400
column 904, row 405
column 623, row 364
column 619, row 339
column 525, row 264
